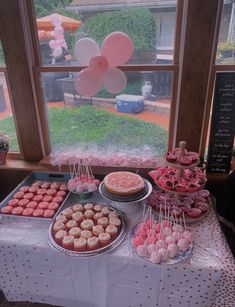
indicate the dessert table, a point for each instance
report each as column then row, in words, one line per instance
column 31, row 270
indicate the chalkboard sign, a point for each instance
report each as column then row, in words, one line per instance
column 222, row 124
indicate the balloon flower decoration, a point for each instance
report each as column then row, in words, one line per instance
column 116, row 49
column 58, row 33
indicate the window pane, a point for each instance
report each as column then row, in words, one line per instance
column 150, row 24
column 107, row 124
column 7, row 125
column 226, row 45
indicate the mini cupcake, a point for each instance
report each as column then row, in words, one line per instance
column 103, row 221
column 59, row 236
column 75, row 231
column 86, row 234
column 96, row 230
column 112, row 230
column 80, row 245
column 87, row 224
column 88, row 206
column 92, row 243
column 97, row 215
column 70, row 224
column 88, row 214
column 113, row 214
column 78, row 216
column 58, row 226
column 67, row 242
column 67, row 212
column 104, row 238
column 78, row 207
column 105, row 211
column 114, row 221
column 61, row 218
column 98, row 208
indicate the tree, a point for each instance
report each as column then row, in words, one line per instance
column 45, row 7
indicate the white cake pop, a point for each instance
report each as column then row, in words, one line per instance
column 172, row 250
column 161, row 244
column 183, row 244
column 155, row 257
column 169, row 240
column 164, row 253
column 151, row 248
column 177, row 235
column 178, row 228
column 141, row 250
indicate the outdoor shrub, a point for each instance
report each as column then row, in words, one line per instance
column 139, row 24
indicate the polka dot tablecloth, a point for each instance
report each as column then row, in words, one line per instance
column 30, row 270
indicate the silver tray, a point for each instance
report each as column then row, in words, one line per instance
column 99, row 251
column 183, row 256
column 34, row 176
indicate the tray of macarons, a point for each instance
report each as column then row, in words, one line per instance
column 40, row 195
column 87, row 229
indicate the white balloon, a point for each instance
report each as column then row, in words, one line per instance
column 114, row 81
column 57, row 52
column 85, row 49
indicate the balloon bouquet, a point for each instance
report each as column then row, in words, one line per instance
column 102, row 64
column 59, row 42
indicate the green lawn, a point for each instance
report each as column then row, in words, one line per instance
column 87, row 127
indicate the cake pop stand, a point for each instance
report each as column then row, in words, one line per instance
column 181, row 257
column 127, row 203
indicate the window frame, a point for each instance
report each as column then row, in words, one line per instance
column 36, row 68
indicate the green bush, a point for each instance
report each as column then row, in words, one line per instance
column 132, row 88
column 139, row 24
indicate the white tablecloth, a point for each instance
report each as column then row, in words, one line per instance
column 30, row 270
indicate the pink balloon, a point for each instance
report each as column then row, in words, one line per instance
column 59, row 30
column 114, row 81
column 60, row 42
column 88, row 83
column 52, row 44
column 117, row 47
column 99, row 64
column 58, row 36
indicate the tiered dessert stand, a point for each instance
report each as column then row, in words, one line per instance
column 179, row 174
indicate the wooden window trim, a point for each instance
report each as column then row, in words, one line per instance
column 28, row 9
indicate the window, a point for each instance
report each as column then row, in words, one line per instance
column 226, row 43
column 128, row 124
column 7, row 125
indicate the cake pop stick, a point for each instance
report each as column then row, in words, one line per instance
column 185, row 227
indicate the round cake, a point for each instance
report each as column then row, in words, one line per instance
column 123, row 183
